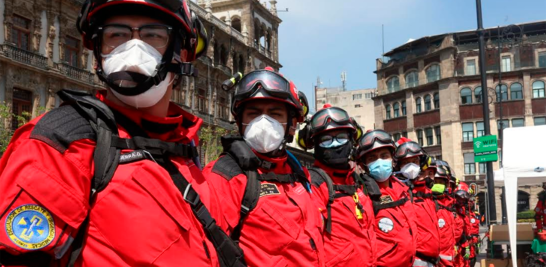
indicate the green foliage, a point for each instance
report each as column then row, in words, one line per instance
column 6, row 117
column 528, row 214
column 211, row 147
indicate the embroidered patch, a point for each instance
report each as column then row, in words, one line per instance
column 299, row 189
column 473, row 220
column 386, row 225
column 30, row 227
column 267, row 189
column 385, row 199
column 441, row 223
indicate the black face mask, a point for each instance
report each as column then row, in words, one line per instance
column 335, row 157
column 429, row 182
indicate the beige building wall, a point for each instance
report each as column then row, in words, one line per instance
column 358, row 103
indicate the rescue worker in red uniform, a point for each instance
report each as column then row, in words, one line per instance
column 49, row 198
column 349, row 237
column 474, row 232
column 394, row 214
column 409, row 158
column 463, row 221
column 446, row 220
column 265, row 194
column 540, row 210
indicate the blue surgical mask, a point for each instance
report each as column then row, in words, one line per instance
column 380, row 169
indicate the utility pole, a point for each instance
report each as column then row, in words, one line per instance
column 492, row 216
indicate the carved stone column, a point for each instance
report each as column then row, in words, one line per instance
column 273, row 8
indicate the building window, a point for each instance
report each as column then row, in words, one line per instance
column 468, row 132
column 20, row 33
column 482, row 167
column 201, row 100
column 357, row 96
column 471, row 67
column 393, row 84
column 358, row 106
column 516, row 91
column 466, row 96
column 518, row 123
column 412, row 79
column 505, row 124
column 71, row 51
column 418, row 105
column 436, row 101
column 538, row 89
column 428, row 133
column 404, row 108
column 539, row 121
column 388, row 111
column 428, row 105
column 478, row 94
column 469, row 165
column 542, row 59
column 504, row 90
column 396, row 108
column 438, row 132
column 405, row 134
column 433, row 73
column 420, row 137
column 480, row 131
column 506, row 64
column 396, row 137
column 21, row 106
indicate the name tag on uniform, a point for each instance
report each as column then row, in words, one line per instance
column 267, row 189
column 385, row 199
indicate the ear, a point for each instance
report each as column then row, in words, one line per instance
column 292, row 130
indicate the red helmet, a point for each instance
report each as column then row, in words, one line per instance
column 463, row 186
column 327, row 119
column 268, row 84
column 187, row 26
column 372, row 140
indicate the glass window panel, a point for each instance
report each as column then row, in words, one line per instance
column 433, row 73
column 468, row 132
column 418, row 105
column 396, row 108
column 540, row 121
column 480, row 129
column 388, row 111
column 538, row 89
column 412, row 79
column 504, row 90
column 471, row 67
column 436, row 101
column 393, row 84
column 518, row 122
column 428, row 105
column 428, row 132
column 478, row 94
column 466, row 96
column 516, row 91
column 506, row 64
column 542, row 60
column 404, row 108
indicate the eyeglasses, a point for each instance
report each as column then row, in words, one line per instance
column 327, row 140
column 156, row 35
column 408, row 148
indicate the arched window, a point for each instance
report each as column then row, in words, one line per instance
column 412, row 79
column 388, row 110
column 433, row 73
column 393, row 84
column 516, row 91
column 418, row 105
column 478, row 94
column 466, row 96
column 504, row 90
column 404, row 108
column 428, row 105
column 396, row 108
column 436, row 101
column 538, row 89
column 236, row 23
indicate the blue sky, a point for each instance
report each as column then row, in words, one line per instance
column 323, row 38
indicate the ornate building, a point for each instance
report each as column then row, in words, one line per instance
column 430, row 91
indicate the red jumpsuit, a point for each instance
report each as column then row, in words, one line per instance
column 395, row 227
column 462, row 222
column 474, row 233
column 139, row 219
column 428, row 235
column 446, row 225
column 284, row 229
column 352, row 241
column 540, row 213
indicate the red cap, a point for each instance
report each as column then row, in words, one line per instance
column 328, row 105
column 401, row 141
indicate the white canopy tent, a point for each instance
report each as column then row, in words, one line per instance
column 524, row 162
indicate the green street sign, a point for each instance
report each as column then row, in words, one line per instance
column 485, row 148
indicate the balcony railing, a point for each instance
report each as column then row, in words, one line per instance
column 217, row 22
column 75, row 73
column 24, row 56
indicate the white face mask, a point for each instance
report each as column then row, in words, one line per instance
column 140, row 57
column 264, row 134
column 410, row 171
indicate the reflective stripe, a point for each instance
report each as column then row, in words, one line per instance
column 422, row 263
column 444, row 257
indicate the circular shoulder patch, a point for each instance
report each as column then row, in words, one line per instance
column 441, row 223
column 473, row 220
column 30, row 227
column 386, row 225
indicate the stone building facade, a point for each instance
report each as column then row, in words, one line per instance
column 358, row 103
column 430, row 91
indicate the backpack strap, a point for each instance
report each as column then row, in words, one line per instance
column 318, row 177
column 377, row 205
column 248, row 203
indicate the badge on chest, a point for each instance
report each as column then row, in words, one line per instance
column 268, row 189
column 385, row 199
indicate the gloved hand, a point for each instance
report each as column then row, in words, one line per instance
column 467, row 254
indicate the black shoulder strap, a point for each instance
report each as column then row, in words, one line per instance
column 377, row 206
column 318, row 177
column 372, row 189
column 249, row 201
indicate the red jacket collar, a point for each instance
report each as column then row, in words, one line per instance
column 178, row 126
column 337, row 176
column 280, row 164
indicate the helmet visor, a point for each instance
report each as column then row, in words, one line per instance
column 274, row 84
column 368, row 140
column 321, row 118
column 408, row 149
